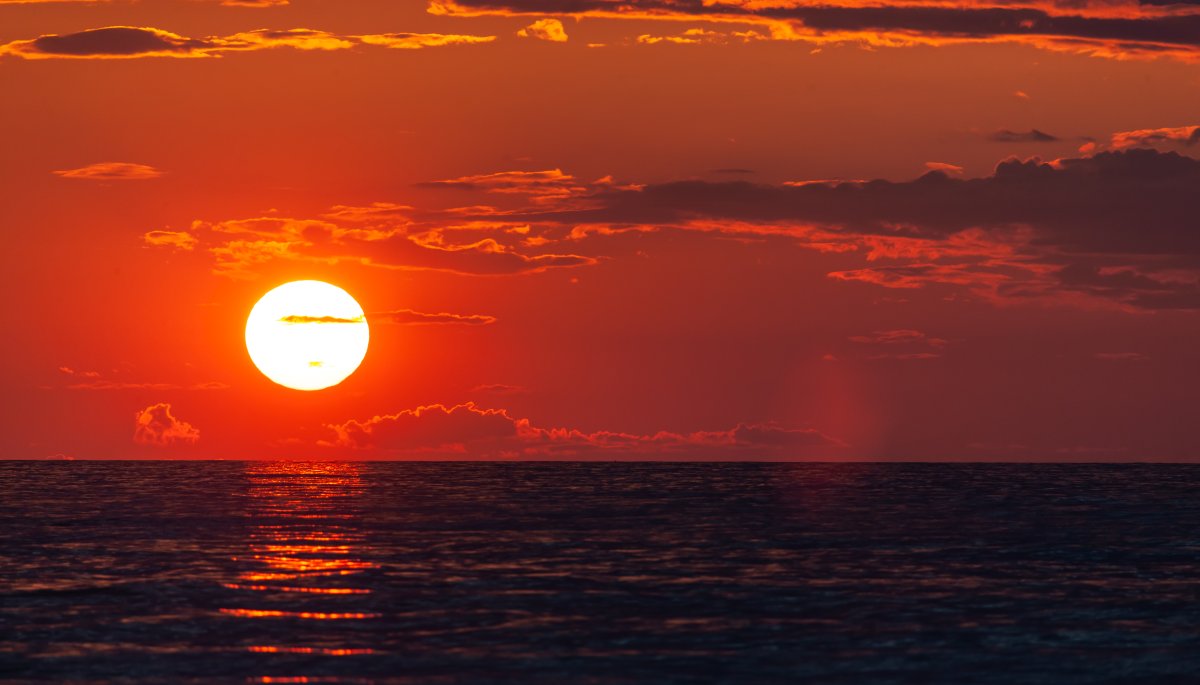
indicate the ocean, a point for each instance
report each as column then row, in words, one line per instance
column 385, row 572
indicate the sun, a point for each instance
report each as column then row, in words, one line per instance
column 307, row 335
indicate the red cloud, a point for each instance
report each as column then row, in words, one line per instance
column 1030, row 136
column 94, row 380
column 698, row 36
column 470, row 431
column 944, row 167
column 545, row 29
column 1181, row 136
column 499, row 389
column 126, row 42
column 1108, row 28
column 913, row 344
column 548, row 185
column 156, row 425
column 1121, row 356
column 111, row 171
column 410, row 317
column 1113, row 229
column 902, row 336
column 239, row 246
column 432, row 427
column 181, row 240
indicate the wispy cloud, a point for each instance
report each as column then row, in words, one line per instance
column 899, row 336
column 499, row 389
column 547, row 185
column 1121, row 356
column 944, row 167
column 111, row 171
column 700, row 36
column 468, row 430
column 125, row 42
column 1108, row 28
column 1179, row 136
column 903, row 344
column 1030, row 136
column 94, row 380
column 301, row 319
column 410, row 317
column 240, row 246
column 181, row 240
column 1061, row 232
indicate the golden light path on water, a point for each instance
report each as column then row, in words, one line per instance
column 303, row 562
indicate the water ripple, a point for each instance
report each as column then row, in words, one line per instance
column 214, row 572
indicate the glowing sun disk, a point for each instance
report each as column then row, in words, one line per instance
column 307, row 335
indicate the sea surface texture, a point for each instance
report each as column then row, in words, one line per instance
column 215, row 572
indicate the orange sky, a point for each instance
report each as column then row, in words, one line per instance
column 658, row 229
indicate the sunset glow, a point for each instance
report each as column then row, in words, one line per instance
column 613, row 230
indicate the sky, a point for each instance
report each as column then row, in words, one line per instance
column 586, row 229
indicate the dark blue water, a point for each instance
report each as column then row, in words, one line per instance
column 218, row 572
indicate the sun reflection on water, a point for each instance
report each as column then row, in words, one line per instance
column 304, row 565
